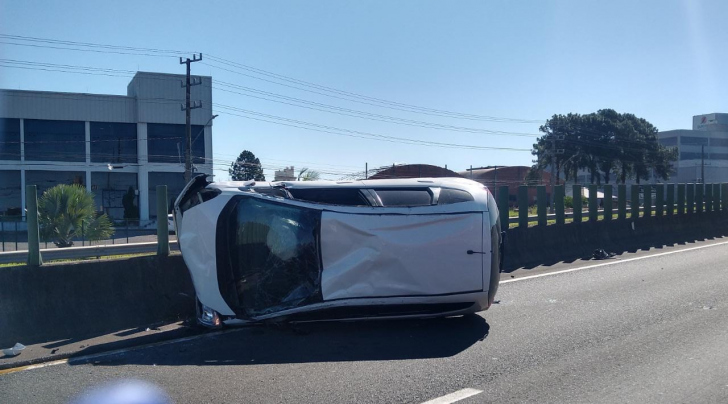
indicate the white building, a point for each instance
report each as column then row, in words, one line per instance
column 113, row 145
column 705, row 147
column 287, row 174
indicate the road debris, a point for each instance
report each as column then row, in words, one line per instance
column 600, row 254
column 15, row 350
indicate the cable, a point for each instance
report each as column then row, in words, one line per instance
column 365, row 135
column 103, row 48
column 384, row 118
column 372, row 99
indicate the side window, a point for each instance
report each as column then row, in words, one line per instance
column 404, row 196
column 448, row 196
column 335, row 196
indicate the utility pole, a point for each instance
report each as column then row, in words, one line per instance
column 188, row 107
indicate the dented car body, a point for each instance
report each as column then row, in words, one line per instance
column 299, row 251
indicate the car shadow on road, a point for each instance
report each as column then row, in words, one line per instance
column 314, row 342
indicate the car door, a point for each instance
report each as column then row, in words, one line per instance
column 387, row 255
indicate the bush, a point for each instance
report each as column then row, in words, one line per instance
column 568, row 202
column 66, row 212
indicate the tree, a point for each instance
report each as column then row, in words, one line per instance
column 533, row 176
column 603, row 143
column 66, row 212
column 247, row 167
column 306, row 174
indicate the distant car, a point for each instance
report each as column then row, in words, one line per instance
column 170, row 224
column 257, row 251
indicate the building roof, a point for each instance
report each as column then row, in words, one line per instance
column 415, row 171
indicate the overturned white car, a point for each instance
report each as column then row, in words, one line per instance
column 297, row 251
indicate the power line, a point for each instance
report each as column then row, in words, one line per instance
column 104, row 48
column 357, row 134
column 412, row 108
column 377, row 117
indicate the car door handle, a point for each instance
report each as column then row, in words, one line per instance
column 471, row 252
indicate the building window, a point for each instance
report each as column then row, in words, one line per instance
column 166, row 143
column 113, row 142
column 10, row 193
column 55, row 140
column 722, row 142
column 693, row 141
column 49, row 179
column 668, row 141
column 175, row 182
column 719, row 156
column 690, row 156
column 9, row 139
column 112, row 191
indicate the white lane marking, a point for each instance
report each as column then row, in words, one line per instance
column 88, row 358
column 453, row 397
column 613, row 262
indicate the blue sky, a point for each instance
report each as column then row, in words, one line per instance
column 664, row 60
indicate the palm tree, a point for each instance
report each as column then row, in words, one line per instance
column 307, row 174
column 68, row 211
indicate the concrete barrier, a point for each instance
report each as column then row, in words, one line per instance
column 76, row 300
column 541, row 245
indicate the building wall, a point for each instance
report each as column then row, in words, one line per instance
column 511, row 176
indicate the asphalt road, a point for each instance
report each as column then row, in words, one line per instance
column 651, row 330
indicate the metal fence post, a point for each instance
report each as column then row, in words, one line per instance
column 724, row 196
column 690, row 196
column 2, row 232
column 31, row 200
column 699, row 200
column 523, row 206
column 647, row 192
column 622, row 201
column 716, row 197
column 659, row 199
column 16, row 235
column 503, row 207
column 634, row 201
column 576, row 198
column 680, row 199
column 162, row 228
column 670, row 203
column 559, row 203
column 607, row 202
column 541, row 202
column 593, row 204
column 708, row 197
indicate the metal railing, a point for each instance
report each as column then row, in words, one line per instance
column 146, row 236
column 99, row 251
column 14, row 234
column 651, row 200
